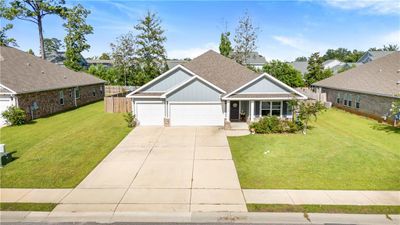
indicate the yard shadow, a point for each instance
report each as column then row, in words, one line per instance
column 386, row 128
column 6, row 159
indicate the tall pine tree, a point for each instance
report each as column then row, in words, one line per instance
column 316, row 71
column 150, row 46
column 75, row 41
column 245, row 39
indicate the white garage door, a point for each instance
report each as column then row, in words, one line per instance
column 196, row 115
column 150, row 114
column 5, row 101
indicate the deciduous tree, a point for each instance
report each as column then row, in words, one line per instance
column 52, row 45
column 301, row 59
column 124, row 56
column 225, row 47
column 75, row 41
column 284, row 72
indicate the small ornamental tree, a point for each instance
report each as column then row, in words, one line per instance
column 395, row 111
column 308, row 110
column 14, row 116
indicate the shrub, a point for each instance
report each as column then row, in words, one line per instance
column 130, row 119
column 272, row 124
column 14, row 116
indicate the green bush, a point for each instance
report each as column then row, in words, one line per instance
column 14, row 116
column 130, row 119
column 272, row 124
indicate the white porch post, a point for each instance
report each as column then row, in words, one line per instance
column 251, row 111
column 228, row 110
column 281, row 111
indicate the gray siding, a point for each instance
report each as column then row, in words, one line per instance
column 263, row 85
column 195, row 91
column 174, row 78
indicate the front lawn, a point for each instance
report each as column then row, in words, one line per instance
column 47, row 207
column 59, row 151
column 342, row 151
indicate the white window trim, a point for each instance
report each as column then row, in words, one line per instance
column 61, row 96
column 270, row 108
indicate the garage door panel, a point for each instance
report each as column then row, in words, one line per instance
column 196, row 115
column 150, row 113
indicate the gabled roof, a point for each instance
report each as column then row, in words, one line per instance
column 24, row 73
column 378, row 77
column 300, row 66
column 271, row 78
column 372, row 55
column 221, row 71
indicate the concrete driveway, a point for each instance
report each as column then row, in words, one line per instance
column 162, row 170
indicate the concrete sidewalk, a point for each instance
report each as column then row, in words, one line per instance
column 193, row 217
column 321, row 197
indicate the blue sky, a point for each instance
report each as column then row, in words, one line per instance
column 287, row 29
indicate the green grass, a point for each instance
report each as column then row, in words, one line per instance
column 27, row 206
column 59, row 151
column 342, row 151
column 350, row 209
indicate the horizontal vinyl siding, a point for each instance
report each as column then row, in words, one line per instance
column 195, row 91
column 174, row 78
column 263, row 85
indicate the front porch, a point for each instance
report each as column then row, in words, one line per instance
column 251, row 110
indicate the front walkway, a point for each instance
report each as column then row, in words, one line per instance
column 162, row 169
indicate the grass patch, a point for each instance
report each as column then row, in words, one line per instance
column 349, row 209
column 342, row 151
column 47, row 207
column 61, row 150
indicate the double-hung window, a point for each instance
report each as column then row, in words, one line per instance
column 276, row 108
column 338, row 98
column 349, row 100
column 77, row 93
column 345, row 99
column 61, row 97
column 94, row 92
column 357, row 101
column 265, row 108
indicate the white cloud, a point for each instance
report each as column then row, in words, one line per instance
column 192, row 52
column 301, row 44
column 371, row 6
column 391, row 38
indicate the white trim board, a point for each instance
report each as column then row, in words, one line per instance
column 266, row 75
column 12, row 92
column 160, row 77
column 196, row 77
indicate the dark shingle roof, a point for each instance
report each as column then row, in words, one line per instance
column 24, row 73
column 221, row 71
column 379, row 77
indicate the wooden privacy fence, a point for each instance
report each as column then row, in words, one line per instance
column 117, row 104
column 113, row 90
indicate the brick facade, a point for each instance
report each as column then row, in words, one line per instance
column 372, row 106
column 48, row 102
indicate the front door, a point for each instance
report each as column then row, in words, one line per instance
column 234, row 112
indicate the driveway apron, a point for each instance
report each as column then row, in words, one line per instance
column 162, row 169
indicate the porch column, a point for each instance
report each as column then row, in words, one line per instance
column 281, row 111
column 251, row 110
column 228, row 110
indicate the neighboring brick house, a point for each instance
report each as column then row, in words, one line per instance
column 368, row 89
column 42, row 88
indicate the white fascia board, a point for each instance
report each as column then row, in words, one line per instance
column 284, row 85
column 246, row 84
column 268, row 77
column 196, row 77
column 160, row 77
column 11, row 91
column 285, row 98
column 145, row 97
